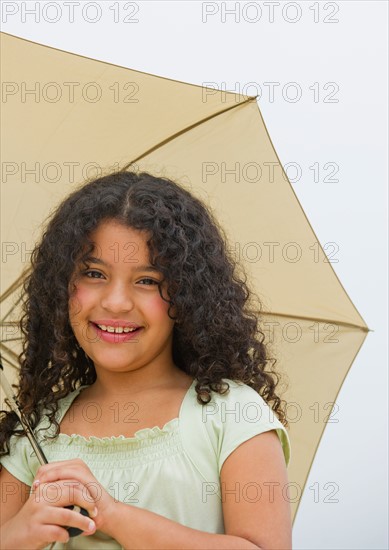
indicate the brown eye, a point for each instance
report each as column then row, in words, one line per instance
column 91, row 274
column 147, row 281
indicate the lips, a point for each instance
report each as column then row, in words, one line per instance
column 115, row 337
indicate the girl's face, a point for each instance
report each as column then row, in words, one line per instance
column 116, row 293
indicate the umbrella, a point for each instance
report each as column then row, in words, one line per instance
column 66, row 118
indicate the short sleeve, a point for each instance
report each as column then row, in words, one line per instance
column 240, row 415
column 21, row 460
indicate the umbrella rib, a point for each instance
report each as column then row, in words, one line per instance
column 304, row 214
column 187, row 129
column 9, row 362
column 12, row 353
column 318, row 319
column 15, row 285
column 10, row 323
column 19, row 281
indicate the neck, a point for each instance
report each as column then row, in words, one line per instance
column 110, row 385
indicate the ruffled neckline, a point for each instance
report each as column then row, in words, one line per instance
column 144, row 433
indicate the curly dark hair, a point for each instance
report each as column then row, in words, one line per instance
column 217, row 334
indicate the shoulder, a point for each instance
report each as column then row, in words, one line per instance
column 238, row 392
column 241, row 403
column 238, row 415
column 64, row 405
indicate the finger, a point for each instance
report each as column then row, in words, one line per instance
column 64, row 470
column 75, row 463
column 63, row 517
column 65, row 493
column 90, row 487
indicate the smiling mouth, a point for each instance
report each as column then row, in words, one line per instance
column 116, row 330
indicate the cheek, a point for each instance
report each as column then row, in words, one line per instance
column 158, row 308
column 78, row 301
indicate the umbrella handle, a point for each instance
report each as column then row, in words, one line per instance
column 74, row 531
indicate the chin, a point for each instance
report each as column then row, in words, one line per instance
column 114, row 366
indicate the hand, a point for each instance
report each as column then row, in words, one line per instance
column 77, row 471
column 43, row 517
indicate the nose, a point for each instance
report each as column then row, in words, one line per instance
column 117, row 298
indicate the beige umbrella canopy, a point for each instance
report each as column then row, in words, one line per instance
column 66, row 117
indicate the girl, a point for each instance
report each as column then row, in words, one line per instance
column 145, row 377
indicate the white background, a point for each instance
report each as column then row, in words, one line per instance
column 180, row 41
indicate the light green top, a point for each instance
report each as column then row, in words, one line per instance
column 173, row 471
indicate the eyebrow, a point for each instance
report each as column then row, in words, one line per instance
column 99, row 261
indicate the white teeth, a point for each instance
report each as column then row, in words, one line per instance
column 117, row 330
